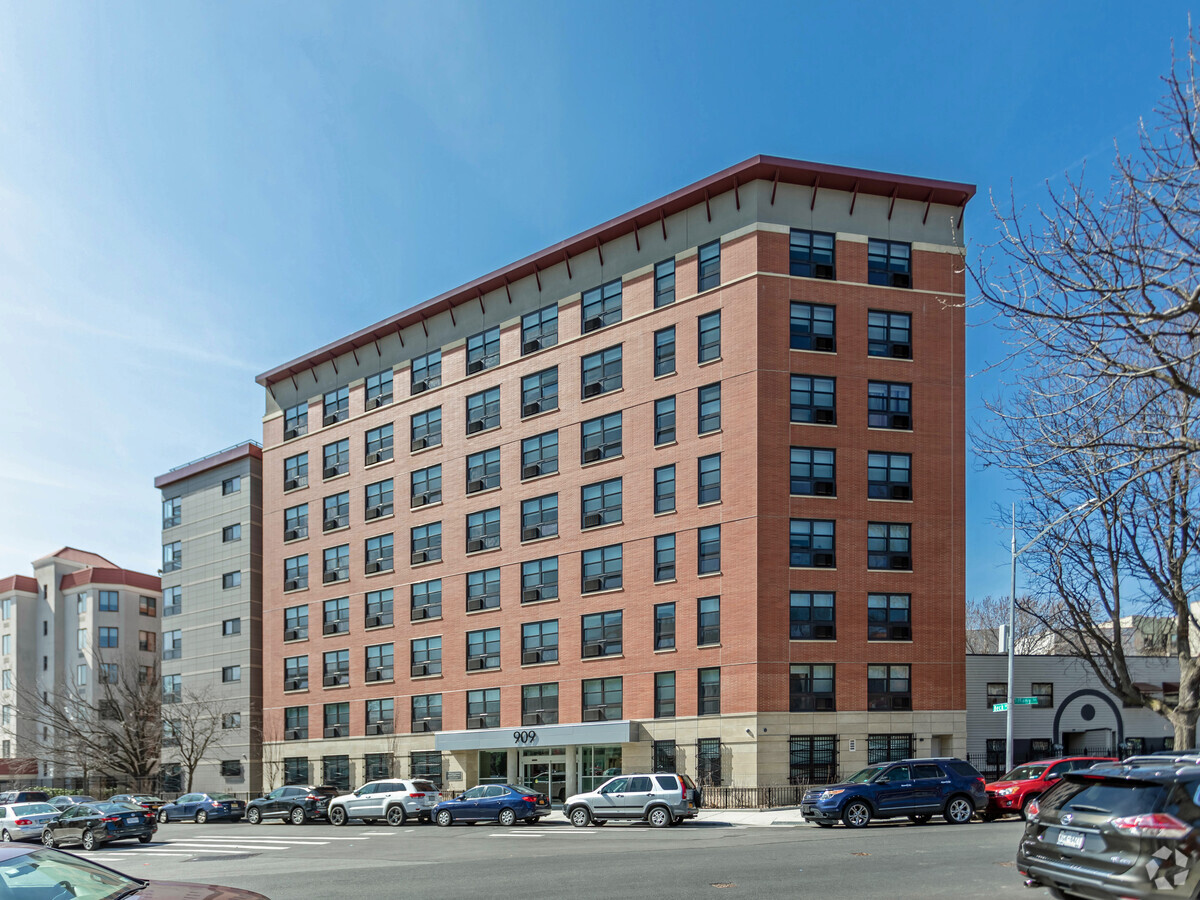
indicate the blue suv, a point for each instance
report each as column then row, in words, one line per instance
column 916, row 788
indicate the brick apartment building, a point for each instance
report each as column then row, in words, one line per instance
column 683, row 491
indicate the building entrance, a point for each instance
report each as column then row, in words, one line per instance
column 546, row 772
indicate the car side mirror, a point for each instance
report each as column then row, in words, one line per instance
column 883, row 780
column 1055, row 777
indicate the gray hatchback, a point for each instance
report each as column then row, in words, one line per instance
column 662, row 799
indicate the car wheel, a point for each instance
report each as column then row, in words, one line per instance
column 580, row 817
column 1025, row 808
column 88, row 840
column 444, row 818
column 162, row 816
column 253, row 816
column 507, row 817
column 919, row 820
column 47, row 838
column 201, row 817
column 297, row 815
column 856, row 814
column 337, row 816
column 958, row 810
column 660, row 817
column 5, row 836
column 396, row 816
column 145, row 838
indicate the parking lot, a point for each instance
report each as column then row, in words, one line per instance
column 553, row 859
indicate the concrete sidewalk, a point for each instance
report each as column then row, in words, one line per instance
column 787, row 815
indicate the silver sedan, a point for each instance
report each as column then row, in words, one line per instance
column 25, row 821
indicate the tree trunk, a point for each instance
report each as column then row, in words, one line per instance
column 1184, row 721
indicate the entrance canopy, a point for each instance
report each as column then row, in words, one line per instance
column 540, row 736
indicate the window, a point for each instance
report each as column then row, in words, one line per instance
column 811, row 543
column 812, row 472
column 812, row 616
column 231, row 673
column 426, row 372
column 708, row 329
column 601, row 372
column 337, row 724
column 172, row 642
column 708, row 761
column 602, row 569
column 231, row 533
column 295, row 573
column 231, row 627
column 889, row 476
column 664, row 283
column 231, row 768
column 664, row 557
column 664, row 626
column 539, row 517
column 426, row 600
column 426, row 429
column 483, row 350
column 883, row 748
column 483, row 411
column 889, row 263
column 889, row 405
column 336, row 458
column 601, row 699
column 539, row 704
column 664, row 352
column 810, row 689
column 602, row 634
column 708, row 550
column 295, row 623
column 664, row 421
column 1043, row 693
column 708, row 479
column 295, row 421
column 337, row 564
column 426, row 715
column 601, row 306
column 483, row 530
column 664, row 489
column 888, row 546
column 81, row 605
column 380, row 554
column 539, row 642
column 379, row 389
column 380, row 666
column 708, row 621
column 539, row 579
column 813, row 400
column 664, row 696
column 171, row 512
column 483, row 590
column 336, row 406
column 539, row 455
column 889, row 687
column 295, row 770
column 601, row 438
column 109, row 601
column 379, row 445
column 708, row 271
column 889, row 617
column 539, row 392
column 997, row 692
column 336, row 616
column 426, row 656
column 109, row 637
column 6, row 644
column 426, row 486
column 813, row 327
column 810, row 254
column 483, row 708
column 483, row 470
column 295, row 673
column 812, row 759
column 6, row 607
column 231, row 485
column 295, row 472
column 539, row 329
column 426, row 543
column 709, row 692
column 109, row 673
column 172, row 556
column 81, row 639
column 709, row 409
column 172, row 688
column 379, row 499
column 889, row 334
column 483, row 649
column 336, row 511
column 336, row 669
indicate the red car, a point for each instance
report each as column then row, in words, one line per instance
column 1014, row 791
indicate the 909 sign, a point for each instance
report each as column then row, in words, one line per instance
column 525, row 737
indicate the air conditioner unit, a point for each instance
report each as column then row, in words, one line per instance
column 419, row 444
column 291, row 534
column 292, row 634
column 531, row 596
column 474, row 604
column 475, row 663
column 592, row 520
column 419, row 500
column 531, row 534
column 373, row 621
column 823, row 488
column 331, row 419
column 379, row 728
column 592, row 454
column 901, row 492
column 902, row 422
column 421, row 725
column 592, row 584
column 335, row 627
column 476, row 485
column 420, row 670
column 823, row 560
column 419, row 387
column 529, row 657
column 373, row 458
column 419, row 612
column 593, row 649
column 593, row 323
column 330, row 472
column 329, row 577
column 332, row 680
column 823, row 704
column 902, row 351
column 531, row 346
column 294, row 684
column 474, row 546
column 419, row 557
column 593, row 715
column 289, row 433
column 474, row 425
column 823, row 343
column 374, row 674
column 477, row 722
column 475, row 365
column 822, row 270
column 334, row 731
column 902, row 703
column 531, row 719
column 531, row 471
column 900, row 562
column 823, row 416
column 900, row 279
column 531, row 409
column 291, row 484
column 379, row 401
column 901, row 633
column 373, row 567
column 823, row 632
column 293, row 585
column 292, row 734
column 331, row 524
column 592, row 389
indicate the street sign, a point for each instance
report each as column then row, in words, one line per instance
column 1025, row 701
column 999, row 707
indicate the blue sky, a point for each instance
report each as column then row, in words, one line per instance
column 193, row 193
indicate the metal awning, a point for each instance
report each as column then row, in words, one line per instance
column 621, row 732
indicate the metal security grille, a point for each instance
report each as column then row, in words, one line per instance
column 663, row 754
column 812, row 759
column 708, row 761
column 886, row 747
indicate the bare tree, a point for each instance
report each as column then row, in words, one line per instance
column 191, row 728
column 985, row 616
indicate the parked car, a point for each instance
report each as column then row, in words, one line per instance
column 916, row 788
column 40, row 872
column 395, row 801
column 24, row 797
column 22, row 821
column 146, row 801
column 297, row 803
column 1116, row 831
column 503, row 803
column 202, row 807
column 662, row 799
column 93, row 824
column 1012, row 792
column 65, row 801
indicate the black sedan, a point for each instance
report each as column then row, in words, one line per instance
column 66, row 801
column 503, row 803
column 93, row 824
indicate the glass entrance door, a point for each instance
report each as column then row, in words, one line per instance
column 546, row 774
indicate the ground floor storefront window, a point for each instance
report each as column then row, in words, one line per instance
column 597, row 765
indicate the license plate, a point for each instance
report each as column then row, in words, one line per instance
column 1072, row 839
column 542, row 802
column 130, row 820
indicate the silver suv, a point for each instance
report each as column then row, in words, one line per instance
column 393, row 800
column 661, row 799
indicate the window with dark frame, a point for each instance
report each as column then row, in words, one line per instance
column 889, row 334
column 664, row 489
column 425, row 600
column 336, row 616
column 889, row 546
column 813, row 472
column 539, row 517
column 426, row 715
column 601, row 372
column 380, row 665
column 426, row 656
column 379, row 445
column 602, row 699
column 889, row 263
column 813, row 400
column 1043, row 693
column 539, row 392
column 708, row 479
column 664, row 351
column 381, row 714
column 379, row 499
column 483, row 350
column 483, row 470
column 295, row 472
column 664, row 626
column 539, row 704
column 601, row 306
column 708, row 701
column 664, row 421
column 812, row 616
column 483, row 649
column 664, row 558
column 664, row 697
column 295, row 673
column 426, row 429
column 295, row 623
column 483, row 530
column 997, row 692
column 812, row 544
column 708, row 268
column 336, row 565
column 378, row 609
column 708, row 549
column 426, row 543
column 811, row 254
column 231, row 485
column 600, row 438
column 539, row 642
column 173, row 556
column 425, row 486
column 664, row 283
column 335, row 668
column 295, row 723
column 483, row 708
column 295, row 572
column 889, row 476
column 889, row 405
column 601, row 503
column 708, row 621
column 812, row 759
column 483, row 590
column 708, row 337
column 811, row 688
column 602, row 634
column 483, row 411
column 378, row 389
column 889, row 687
column 295, row 421
column 708, row 762
column 889, row 617
column 539, row 329
column 380, row 554
column 336, row 406
column 336, row 459
column 539, row 579
column 883, row 748
column 335, row 511
column 602, row 569
column 709, row 409
column 539, row 455
column 426, row 372
column 171, row 512
column 813, row 326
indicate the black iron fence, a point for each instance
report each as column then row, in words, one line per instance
column 773, row 796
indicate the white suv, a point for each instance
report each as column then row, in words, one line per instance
column 393, row 800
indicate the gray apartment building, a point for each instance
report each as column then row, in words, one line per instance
column 211, row 620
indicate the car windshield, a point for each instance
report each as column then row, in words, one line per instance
column 1024, row 773
column 116, row 807
column 221, row 797
column 424, row 786
column 33, row 809
column 50, row 873
column 523, row 789
column 862, row 776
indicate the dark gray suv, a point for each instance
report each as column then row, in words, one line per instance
column 662, row 799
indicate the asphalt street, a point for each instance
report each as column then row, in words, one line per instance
column 553, row 859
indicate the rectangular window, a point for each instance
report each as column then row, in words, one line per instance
column 381, row 714
column 295, row 770
column 295, row 573
column 147, row 606
column 172, row 642
column 426, row 656
column 539, row 704
column 664, row 352
column 483, row 590
column 812, row 616
column 813, row 400
column 336, row 669
column 602, row 569
column 889, row 334
column 483, row 530
column 380, row 663
column 664, row 421
column 336, row 511
column 483, row 411
column 889, row 405
column 379, row 445
column 539, row 579
column 664, row 557
column 709, row 693
column 539, row 642
column 336, row 406
column 229, row 627
column 889, row 476
column 483, row 708
column 295, row 623
column 109, row 637
column 427, row 715
column 664, row 695
column 171, row 512
column 812, row 759
column 426, row 543
column 426, row 600
column 380, row 554
column 337, row 722
column 708, row 479
column 231, row 485
column 813, row 327
column 426, row 372
column 295, row 472
column 483, row 649
column 295, row 421
column 708, row 621
column 172, row 556
column 483, row 350
column 601, row 438
column 602, row 306
column 997, row 692
column 602, row 634
column 337, row 564
column 664, row 489
column 539, row 517
column 708, row 330
column 810, row 689
column 539, row 392
column 708, row 550
column 663, row 757
column 889, row 687
column 664, row 283
column 483, row 470
column 889, row 546
column 379, row 389
column 709, row 398
column 601, row 699
column 601, row 372
column 539, row 329
column 664, row 626
column 379, row 499
column 336, row 618
column 708, row 270
column 109, row 601
column 295, row 673
column 811, row 544
column 336, row 770
column 109, row 673
column 889, row 263
column 81, row 639
column 425, row 486
column 336, row 459
column 378, row 608
column 426, row 429
column 601, row 503
column 1043, row 693
column 539, row 455
column 172, row 687
column 230, row 674
column 231, row 533
column 889, row 617
column 811, row 254
column 708, row 761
